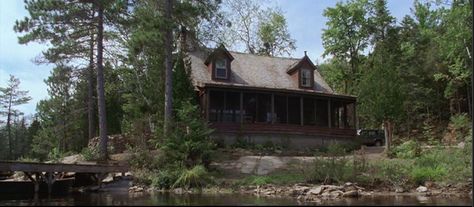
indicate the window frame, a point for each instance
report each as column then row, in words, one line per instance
column 226, row 69
column 309, row 79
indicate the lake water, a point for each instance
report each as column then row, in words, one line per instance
column 125, row 198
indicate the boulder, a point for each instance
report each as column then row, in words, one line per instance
column 421, row 189
column 178, row 191
column 429, row 184
column 399, row 189
column 336, row 193
column 316, row 191
column 352, row 193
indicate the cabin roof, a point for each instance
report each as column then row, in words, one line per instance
column 248, row 70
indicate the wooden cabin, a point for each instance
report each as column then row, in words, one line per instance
column 270, row 99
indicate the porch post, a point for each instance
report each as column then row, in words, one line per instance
column 287, row 115
column 207, row 94
column 354, row 119
column 301, row 110
column 329, row 113
column 273, row 108
column 241, row 107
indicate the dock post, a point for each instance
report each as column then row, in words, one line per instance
column 49, row 181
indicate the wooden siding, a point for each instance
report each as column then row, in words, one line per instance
column 283, row 129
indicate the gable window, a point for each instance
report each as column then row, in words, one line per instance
column 221, row 69
column 305, row 78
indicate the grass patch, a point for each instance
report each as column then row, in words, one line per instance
column 276, row 178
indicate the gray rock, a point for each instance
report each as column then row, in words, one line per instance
column 326, row 194
column 316, row 191
column 421, row 189
column 178, row 191
column 352, row 193
column 336, row 193
column 399, row 189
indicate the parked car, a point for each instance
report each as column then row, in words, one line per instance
column 371, row 137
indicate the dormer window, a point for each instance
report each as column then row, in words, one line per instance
column 305, row 78
column 221, row 68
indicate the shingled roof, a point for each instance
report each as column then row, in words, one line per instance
column 250, row 70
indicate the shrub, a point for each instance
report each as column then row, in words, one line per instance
column 429, row 132
column 269, row 146
column 278, row 178
column 408, row 150
column 28, row 159
column 422, row 174
column 190, row 142
column 165, row 179
column 330, row 167
column 461, row 123
column 394, row 172
column 90, row 153
column 195, row 177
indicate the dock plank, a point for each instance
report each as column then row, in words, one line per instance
column 59, row 167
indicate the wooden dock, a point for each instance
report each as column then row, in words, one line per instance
column 50, row 172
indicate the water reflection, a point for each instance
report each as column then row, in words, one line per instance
column 125, row 198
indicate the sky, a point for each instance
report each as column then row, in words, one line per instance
column 304, row 18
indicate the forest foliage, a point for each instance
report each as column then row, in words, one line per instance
column 407, row 73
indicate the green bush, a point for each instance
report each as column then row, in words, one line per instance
column 90, row 153
column 195, row 177
column 165, row 179
column 461, row 124
column 330, row 166
column 28, row 159
column 278, row 178
column 190, row 141
column 269, row 146
column 407, row 150
column 422, row 174
column 394, row 172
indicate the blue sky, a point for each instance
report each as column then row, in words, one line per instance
column 304, row 18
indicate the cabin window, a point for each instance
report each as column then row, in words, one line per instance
column 216, row 106
column 250, row 107
column 221, row 68
column 281, row 108
column 264, row 106
column 309, row 112
column 305, row 78
column 322, row 118
column 294, row 110
column 232, row 107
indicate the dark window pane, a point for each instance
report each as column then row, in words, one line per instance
column 216, row 106
column 250, row 107
column 294, row 113
column 280, row 109
column 350, row 113
column 338, row 116
column 322, row 113
column 221, row 72
column 308, row 112
column 232, row 110
column 264, row 108
column 305, row 77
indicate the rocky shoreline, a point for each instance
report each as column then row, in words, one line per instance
column 318, row 193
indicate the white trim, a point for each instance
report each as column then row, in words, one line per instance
column 225, row 68
column 308, row 82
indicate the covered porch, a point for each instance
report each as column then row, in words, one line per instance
column 232, row 109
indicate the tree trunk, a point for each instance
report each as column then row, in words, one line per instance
column 90, row 93
column 100, row 87
column 468, row 100
column 9, row 130
column 388, row 129
column 168, row 66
